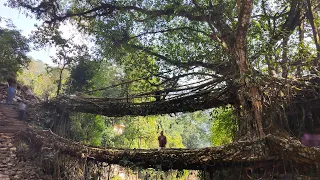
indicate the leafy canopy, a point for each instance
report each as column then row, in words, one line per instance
column 13, row 49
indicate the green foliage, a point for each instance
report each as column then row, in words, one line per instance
column 108, row 75
column 171, row 174
column 160, row 41
column 13, row 49
column 195, row 133
column 138, row 39
column 59, row 77
column 108, row 136
column 192, row 128
column 42, row 83
column 67, row 55
column 117, row 177
column 224, row 126
column 174, row 140
column 139, row 132
column 174, row 38
column 87, row 128
column 81, row 75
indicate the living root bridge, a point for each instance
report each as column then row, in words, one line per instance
column 285, row 92
column 268, row 149
column 113, row 107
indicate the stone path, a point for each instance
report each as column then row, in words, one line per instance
column 9, row 123
column 10, row 166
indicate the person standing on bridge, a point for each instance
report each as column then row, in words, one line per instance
column 162, row 141
column 11, row 92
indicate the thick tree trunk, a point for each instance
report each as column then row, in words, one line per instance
column 60, row 81
column 284, row 62
column 271, row 69
column 301, row 48
column 315, row 37
column 249, row 94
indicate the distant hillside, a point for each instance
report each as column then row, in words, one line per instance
column 37, row 67
column 29, row 74
column 42, row 83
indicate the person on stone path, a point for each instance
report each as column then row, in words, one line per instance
column 22, row 110
column 11, row 92
column 162, row 140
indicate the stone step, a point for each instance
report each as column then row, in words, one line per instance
column 6, row 145
column 10, row 168
column 20, row 126
column 13, row 129
column 4, row 177
column 10, row 116
column 6, row 137
column 10, row 112
column 16, row 123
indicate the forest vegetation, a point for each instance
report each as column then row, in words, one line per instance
column 250, row 67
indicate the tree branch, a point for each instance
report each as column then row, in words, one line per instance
column 170, row 30
column 176, row 63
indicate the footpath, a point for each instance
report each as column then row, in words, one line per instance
column 12, row 167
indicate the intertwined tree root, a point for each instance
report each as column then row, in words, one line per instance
column 272, row 148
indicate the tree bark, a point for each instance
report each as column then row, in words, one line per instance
column 249, row 95
column 271, row 68
column 118, row 107
column 60, row 80
column 315, row 37
column 241, row 154
column 284, row 62
column 301, row 48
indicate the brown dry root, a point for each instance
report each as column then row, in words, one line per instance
column 244, row 154
column 275, row 93
column 113, row 107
